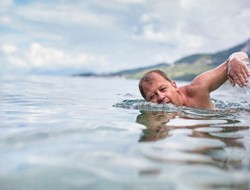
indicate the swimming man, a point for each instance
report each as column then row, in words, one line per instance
column 155, row 86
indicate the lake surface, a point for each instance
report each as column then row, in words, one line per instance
column 97, row 133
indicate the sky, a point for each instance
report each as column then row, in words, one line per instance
column 74, row 36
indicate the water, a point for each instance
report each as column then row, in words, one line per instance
column 97, row 133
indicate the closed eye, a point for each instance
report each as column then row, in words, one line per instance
column 152, row 96
column 163, row 89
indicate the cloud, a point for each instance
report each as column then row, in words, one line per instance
column 119, row 2
column 5, row 19
column 117, row 34
column 193, row 26
column 42, row 57
column 5, row 5
column 130, row 1
column 8, row 48
column 63, row 14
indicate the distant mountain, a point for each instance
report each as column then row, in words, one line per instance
column 122, row 73
column 141, row 69
column 215, row 58
column 185, row 68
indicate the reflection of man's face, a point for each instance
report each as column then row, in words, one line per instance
column 155, row 121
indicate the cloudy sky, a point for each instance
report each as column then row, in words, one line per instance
column 111, row 35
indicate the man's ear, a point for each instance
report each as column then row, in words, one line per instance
column 174, row 84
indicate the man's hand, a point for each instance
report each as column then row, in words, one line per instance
column 238, row 71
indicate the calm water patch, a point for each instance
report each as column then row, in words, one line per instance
column 97, row 133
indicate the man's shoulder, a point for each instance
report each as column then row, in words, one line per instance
column 192, row 89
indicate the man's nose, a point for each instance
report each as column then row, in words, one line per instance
column 161, row 98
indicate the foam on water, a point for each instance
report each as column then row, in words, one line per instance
column 223, row 108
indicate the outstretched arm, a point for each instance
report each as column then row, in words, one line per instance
column 234, row 69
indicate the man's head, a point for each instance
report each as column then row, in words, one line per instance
column 148, row 77
column 155, row 86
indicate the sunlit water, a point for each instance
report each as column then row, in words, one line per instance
column 97, row 133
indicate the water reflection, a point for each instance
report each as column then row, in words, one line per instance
column 206, row 141
column 156, row 124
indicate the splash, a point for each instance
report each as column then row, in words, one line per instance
column 140, row 104
column 224, row 108
column 232, row 106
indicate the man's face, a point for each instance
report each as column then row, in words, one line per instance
column 159, row 90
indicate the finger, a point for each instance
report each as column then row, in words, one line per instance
column 238, row 79
column 244, row 76
column 238, row 82
column 231, row 80
column 241, row 76
column 242, row 79
column 247, row 70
